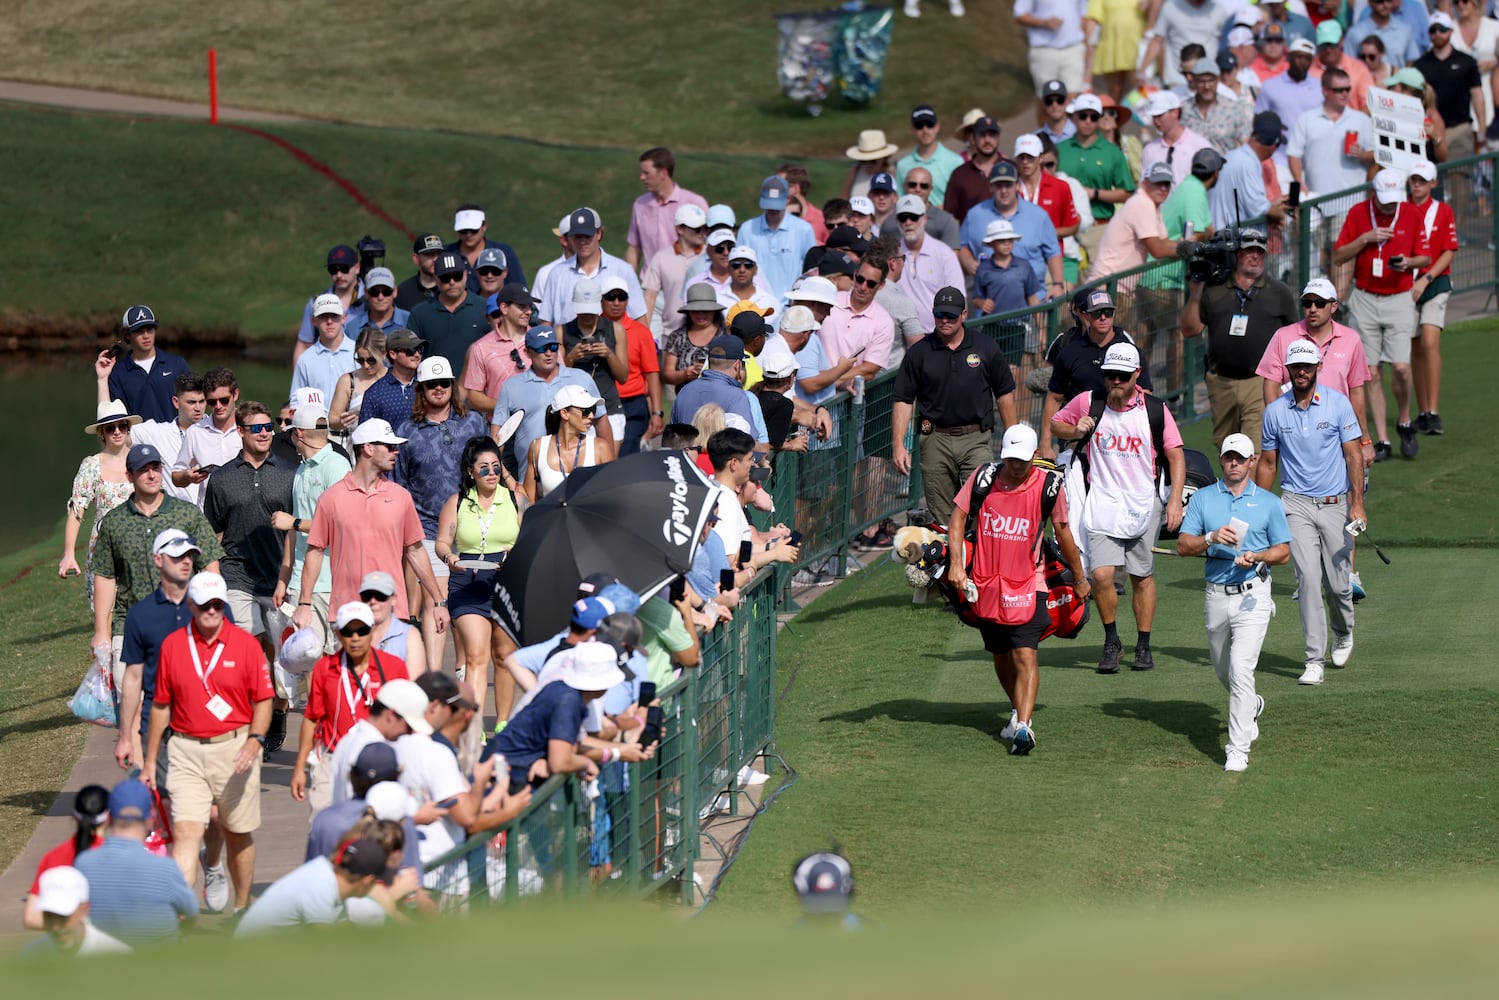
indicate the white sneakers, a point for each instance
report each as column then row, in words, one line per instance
column 1342, row 649
column 913, row 8
column 1259, row 710
column 954, row 7
column 1008, row 732
column 1237, row 760
column 215, row 889
column 1312, row 674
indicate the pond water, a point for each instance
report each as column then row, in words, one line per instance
column 45, row 408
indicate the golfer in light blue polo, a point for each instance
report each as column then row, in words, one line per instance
column 1242, row 529
column 1312, row 435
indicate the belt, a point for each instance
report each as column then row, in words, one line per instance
column 1234, row 589
column 1326, row 501
column 221, row 738
column 927, row 427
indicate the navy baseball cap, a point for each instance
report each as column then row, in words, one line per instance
column 449, row 263
column 882, row 182
column 142, row 455
column 1004, row 171
column 590, row 612
column 514, row 294
column 748, row 325
column 540, row 336
column 377, row 762
column 923, row 114
column 774, row 192
column 138, row 318
column 427, row 243
column 343, row 256
column 130, row 799
column 583, row 222
column 846, row 237
column 985, row 124
column 726, row 348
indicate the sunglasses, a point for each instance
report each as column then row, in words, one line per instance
column 1236, row 459
column 1369, row 56
column 1315, row 303
column 351, row 630
column 723, row 248
column 1048, row 164
column 260, row 427
column 371, row 596
column 367, row 359
column 547, row 349
column 489, row 272
column 115, row 429
column 468, row 232
column 695, row 229
column 340, row 269
column 864, row 282
column 448, row 279
column 1105, row 313
column 908, row 217
column 917, row 186
column 1087, row 116
column 489, row 469
column 1436, row 28
column 1110, row 112
column 622, row 296
column 1118, row 376
column 1337, row 90
column 285, row 423
column 221, row 400
column 1054, row 100
column 217, row 607
column 413, row 351
column 377, row 292
column 945, row 317
column 438, row 383
column 747, row 265
column 515, row 358
column 925, row 123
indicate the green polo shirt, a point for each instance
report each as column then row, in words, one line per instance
column 123, row 552
column 943, row 162
column 1101, row 165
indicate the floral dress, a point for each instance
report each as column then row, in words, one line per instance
column 90, row 487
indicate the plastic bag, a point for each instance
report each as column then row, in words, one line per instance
column 94, row 701
column 805, row 61
column 863, row 45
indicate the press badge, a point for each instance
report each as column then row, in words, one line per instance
column 1239, row 327
column 219, row 707
column 1378, row 267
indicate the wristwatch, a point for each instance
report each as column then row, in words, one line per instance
column 439, row 604
column 258, row 738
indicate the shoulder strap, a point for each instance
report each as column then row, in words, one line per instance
column 1096, row 404
column 1049, row 493
column 1155, row 412
column 983, row 483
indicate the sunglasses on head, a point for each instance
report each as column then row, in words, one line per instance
column 917, row 186
column 340, row 268
column 864, row 282
column 371, row 596
column 260, row 427
column 354, row 628
column 621, row 296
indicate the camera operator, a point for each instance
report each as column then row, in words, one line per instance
column 1241, row 312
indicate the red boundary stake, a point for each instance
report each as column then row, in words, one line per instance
column 213, row 87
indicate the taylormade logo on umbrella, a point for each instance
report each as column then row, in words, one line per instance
column 675, row 529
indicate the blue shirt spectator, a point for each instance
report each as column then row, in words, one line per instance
column 707, row 563
column 427, row 464
column 359, row 318
column 1400, row 43
column 712, row 386
column 320, row 366
column 133, row 894
column 148, row 394
column 1309, row 441
column 555, row 713
column 1038, row 237
column 527, row 391
column 780, row 250
column 1011, row 287
column 389, row 399
column 1212, row 507
column 556, row 306
column 1241, row 173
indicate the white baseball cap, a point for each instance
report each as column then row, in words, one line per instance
column 776, row 359
column 1029, row 144
column 721, row 215
column 306, row 394
column 469, row 218
column 1121, row 358
column 174, row 542
column 1239, row 444
column 1000, row 229
column 376, row 431
column 1389, row 186
column 613, row 283
column 389, row 801
column 910, row 204
column 61, row 890
column 205, row 587
column 1302, row 352
column 327, row 304
column 1084, row 102
column 744, row 253
column 718, row 237
column 1322, row 288
column 408, row 701
column 1425, row 169
column 814, row 288
column 354, row 611
column 433, row 368
column 1305, row 45
column 691, row 216
column 586, row 298
column 798, row 319
column 1019, row 442
column 861, row 206
column 1161, row 102
column 306, row 417
column 573, row 395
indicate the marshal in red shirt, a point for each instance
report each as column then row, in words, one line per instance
column 1406, row 242
column 1055, row 196
column 337, row 697
column 241, row 677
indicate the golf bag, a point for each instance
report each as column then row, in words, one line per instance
column 1199, row 474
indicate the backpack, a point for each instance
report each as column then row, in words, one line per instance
column 1155, row 413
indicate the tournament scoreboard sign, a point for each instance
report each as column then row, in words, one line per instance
column 1399, row 129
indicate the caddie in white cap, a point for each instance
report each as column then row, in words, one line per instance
column 1003, row 499
column 1242, row 529
column 1126, row 437
column 1311, row 436
column 1382, row 237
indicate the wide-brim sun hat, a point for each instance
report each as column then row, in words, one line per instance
column 872, row 145
column 111, row 412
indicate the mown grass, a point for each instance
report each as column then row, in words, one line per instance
column 581, row 71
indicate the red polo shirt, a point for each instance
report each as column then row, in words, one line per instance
column 1439, row 234
column 1055, row 196
column 1405, row 242
column 337, row 697
column 241, row 677
column 643, row 354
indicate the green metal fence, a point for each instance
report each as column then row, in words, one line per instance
column 640, row 831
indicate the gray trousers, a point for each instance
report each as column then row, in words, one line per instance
column 1322, row 554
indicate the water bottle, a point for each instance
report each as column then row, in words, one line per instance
column 858, row 390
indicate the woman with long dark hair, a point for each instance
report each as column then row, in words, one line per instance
column 479, row 523
column 569, row 443
column 90, row 813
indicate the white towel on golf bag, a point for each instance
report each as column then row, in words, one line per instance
column 1076, row 488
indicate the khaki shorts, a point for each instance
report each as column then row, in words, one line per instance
column 1065, row 64
column 319, row 780
column 202, row 775
column 249, row 612
column 1433, row 312
column 1385, row 323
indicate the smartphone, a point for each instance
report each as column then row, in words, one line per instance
column 1397, row 260
column 1293, row 197
column 796, row 538
column 647, row 693
column 654, row 718
column 678, row 589
column 725, row 580
column 746, row 552
column 208, row 469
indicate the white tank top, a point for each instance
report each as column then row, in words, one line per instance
column 552, row 478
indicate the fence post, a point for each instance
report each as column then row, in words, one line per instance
column 847, row 448
column 691, row 784
column 1303, row 247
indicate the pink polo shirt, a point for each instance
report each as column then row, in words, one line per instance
column 363, row 532
column 1343, row 364
column 653, row 223
column 490, row 364
column 845, row 332
column 1120, row 453
column 1122, row 247
column 928, row 270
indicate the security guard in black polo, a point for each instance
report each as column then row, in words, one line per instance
column 1240, row 315
column 956, row 378
column 1076, row 355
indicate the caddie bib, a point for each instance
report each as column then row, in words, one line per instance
column 1007, row 551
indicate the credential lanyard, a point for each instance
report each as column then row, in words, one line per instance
column 213, row 662
column 1379, row 247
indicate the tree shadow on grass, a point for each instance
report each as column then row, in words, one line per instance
column 1197, row 721
column 41, row 803
column 41, row 725
column 62, row 633
column 983, row 717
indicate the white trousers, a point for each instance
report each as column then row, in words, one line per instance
column 1236, row 626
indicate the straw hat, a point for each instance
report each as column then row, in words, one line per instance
column 872, row 146
column 111, row 412
column 969, row 117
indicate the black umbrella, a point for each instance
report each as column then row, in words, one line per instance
column 637, row 518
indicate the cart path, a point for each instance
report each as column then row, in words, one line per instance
column 80, row 98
